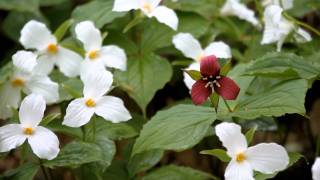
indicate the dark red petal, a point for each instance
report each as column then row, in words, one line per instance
column 199, row 93
column 209, row 66
column 228, row 89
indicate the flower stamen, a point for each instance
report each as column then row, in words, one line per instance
column 93, row 54
column 90, row 103
column 28, row 131
column 18, row 82
column 147, row 7
column 52, row 48
column 240, row 157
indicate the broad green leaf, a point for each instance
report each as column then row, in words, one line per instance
column 219, row 153
column 51, row 2
column 195, row 75
column 57, row 126
column 117, row 171
column 100, row 12
column 108, row 149
column 26, row 172
column 250, row 134
column 62, row 29
column 173, row 172
column 20, row 5
column 188, row 22
column 145, row 75
column 285, row 65
column 177, row 128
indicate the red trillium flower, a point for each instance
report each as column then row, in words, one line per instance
column 211, row 81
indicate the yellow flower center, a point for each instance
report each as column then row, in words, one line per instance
column 28, row 131
column 93, row 54
column 90, row 102
column 240, row 157
column 52, row 48
column 18, row 82
column 147, row 7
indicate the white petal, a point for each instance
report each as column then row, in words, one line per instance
column 219, row 49
column 316, row 169
column 89, row 66
column 31, row 110
column 36, row 35
column 166, row 16
column 45, row 86
column 44, row 143
column 125, row 5
column 10, row 98
column 112, row 109
column 96, row 82
column 11, row 136
column 287, row 4
column 114, row 57
column 267, row 157
column 302, row 36
column 188, row 45
column 188, row 81
column 25, row 60
column 153, row 3
column 68, row 62
column 89, row 35
column 238, row 171
column 45, row 64
column 231, row 137
column 77, row 113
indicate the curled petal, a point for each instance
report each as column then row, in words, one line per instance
column 200, row 93
column 209, row 66
column 228, row 89
column 45, row 64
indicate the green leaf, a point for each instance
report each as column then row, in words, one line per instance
column 284, row 65
column 50, row 118
column 195, row 75
column 19, row 5
column 26, row 171
column 219, row 153
column 108, row 149
column 188, row 21
column 250, row 134
column 57, row 126
column 145, row 75
column 72, row 88
column 5, row 72
column 117, row 171
column 100, row 12
column 52, row 3
column 177, row 128
column 63, row 28
column 174, row 172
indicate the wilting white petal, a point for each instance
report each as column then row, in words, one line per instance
column 96, row 83
column 267, row 157
column 89, row 35
column 44, row 86
column 166, row 16
column 45, row 64
column 219, row 49
column 114, row 57
column 77, row 113
column 68, row 62
column 31, row 110
column 238, row 171
column 11, row 136
column 302, row 36
column 188, row 45
column 316, row 169
column 10, row 97
column 287, row 4
column 125, row 5
column 36, row 35
column 188, row 81
column 231, row 137
column 112, row 109
column 24, row 60
column 44, row 143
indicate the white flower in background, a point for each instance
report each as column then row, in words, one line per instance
column 235, row 8
column 151, row 8
column 36, row 35
column 287, row 4
column 97, row 82
column 44, row 143
column 110, row 56
column 277, row 28
column 266, row 158
column 316, row 169
column 191, row 48
column 24, row 79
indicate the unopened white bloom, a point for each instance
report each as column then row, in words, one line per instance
column 277, row 28
column 266, row 158
column 316, row 169
column 151, row 8
column 25, row 79
column 44, row 143
column 235, row 8
column 96, row 54
column 191, row 48
column 36, row 35
column 97, row 82
column 287, row 4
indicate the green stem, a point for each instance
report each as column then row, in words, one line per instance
column 226, row 103
column 307, row 26
column 260, row 11
column 83, row 133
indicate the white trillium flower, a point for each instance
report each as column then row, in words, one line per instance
column 191, row 48
column 96, row 83
column 96, row 54
column 25, row 79
column 44, row 143
column 266, row 158
column 287, row 4
column 277, row 28
column 235, row 8
column 151, row 8
column 36, row 35
column 316, row 169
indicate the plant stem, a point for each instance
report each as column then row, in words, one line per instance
column 307, row 26
column 46, row 176
column 83, row 133
column 226, row 103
